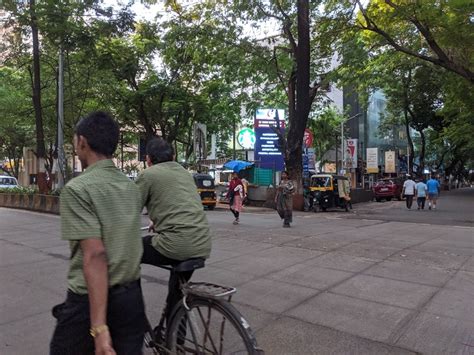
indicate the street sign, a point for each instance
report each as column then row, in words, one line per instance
column 390, row 162
column 372, row 160
column 350, row 161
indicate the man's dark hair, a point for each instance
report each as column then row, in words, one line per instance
column 159, row 150
column 101, row 131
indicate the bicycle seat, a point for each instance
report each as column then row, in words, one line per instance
column 189, row 265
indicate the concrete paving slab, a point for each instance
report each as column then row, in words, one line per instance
column 43, row 241
column 238, row 245
column 426, row 275
column 50, row 274
column 269, row 237
column 220, row 255
column 221, row 276
column 12, row 254
column 445, row 260
column 469, row 265
column 272, row 296
column 154, row 296
column 390, row 292
column 428, row 334
column 317, row 243
column 343, row 262
column 462, row 281
column 358, row 317
column 292, row 336
column 17, row 303
column 442, row 246
column 310, row 276
column 368, row 250
column 257, row 318
column 27, row 336
column 452, row 303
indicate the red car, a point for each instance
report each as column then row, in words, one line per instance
column 388, row 188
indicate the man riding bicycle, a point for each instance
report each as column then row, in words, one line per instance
column 181, row 229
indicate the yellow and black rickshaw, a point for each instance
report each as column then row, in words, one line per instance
column 206, row 189
column 330, row 191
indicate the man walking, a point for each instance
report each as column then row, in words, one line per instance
column 421, row 189
column 434, row 189
column 100, row 217
column 409, row 191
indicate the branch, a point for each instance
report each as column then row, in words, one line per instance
column 442, row 59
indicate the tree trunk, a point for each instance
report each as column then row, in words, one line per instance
column 422, row 152
column 298, row 122
column 410, row 142
column 40, row 146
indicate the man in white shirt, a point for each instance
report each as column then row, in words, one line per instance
column 409, row 188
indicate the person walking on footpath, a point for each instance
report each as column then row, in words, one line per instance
column 100, row 217
column 235, row 194
column 284, row 199
column 409, row 187
column 434, row 189
column 421, row 189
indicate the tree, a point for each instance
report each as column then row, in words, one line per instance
column 445, row 30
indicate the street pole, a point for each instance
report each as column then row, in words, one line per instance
column 342, row 146
column 408, row 159
column 61, row 119
column 233, row 139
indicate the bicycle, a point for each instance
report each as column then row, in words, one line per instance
column 203, row 305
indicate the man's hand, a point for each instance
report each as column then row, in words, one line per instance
column 103, row 344
column 151, row 227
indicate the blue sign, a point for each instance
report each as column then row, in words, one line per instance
column 267, row 149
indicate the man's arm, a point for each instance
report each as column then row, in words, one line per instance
column 96, row 276
column 143, row 186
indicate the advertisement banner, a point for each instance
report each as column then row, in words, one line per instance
column 350, row 158
column 372, row 160
column 266, row 117
column 267, row 150
column 390, row 162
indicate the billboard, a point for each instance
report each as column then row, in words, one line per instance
column 350, row 158
column 390, row 162
column 372, row 160
column 267, row 117
column 267, row 148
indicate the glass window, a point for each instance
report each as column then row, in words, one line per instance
column 321, row 181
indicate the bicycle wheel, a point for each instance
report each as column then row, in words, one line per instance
column 210, row 326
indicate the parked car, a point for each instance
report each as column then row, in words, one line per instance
column 8, row 182
column 388, row 188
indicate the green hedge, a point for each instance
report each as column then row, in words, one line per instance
column 28, row 191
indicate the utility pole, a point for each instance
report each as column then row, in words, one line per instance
column 61, row 120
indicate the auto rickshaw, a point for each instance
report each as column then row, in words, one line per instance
column 330, row 191
column 206, row 189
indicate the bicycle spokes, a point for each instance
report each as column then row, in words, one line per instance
column 206, row 330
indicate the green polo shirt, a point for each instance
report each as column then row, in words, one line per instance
column 170, row 195
column 102, row 203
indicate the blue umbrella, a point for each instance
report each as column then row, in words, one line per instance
column 237, row 165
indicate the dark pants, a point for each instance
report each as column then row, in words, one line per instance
column 151, row 256
column 125, row 318
column 235, row 213
column 409, row 200
column 421, row 202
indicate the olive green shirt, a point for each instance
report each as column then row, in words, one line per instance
column 102, row 203
column 173, row 203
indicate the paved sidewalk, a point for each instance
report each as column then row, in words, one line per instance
column 328, row 285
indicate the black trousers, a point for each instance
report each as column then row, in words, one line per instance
column 235, row 213
column 409, row 200
column 151, row 256
column 421, row 202
column 125, row 318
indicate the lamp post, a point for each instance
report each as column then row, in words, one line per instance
column 342, row 138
